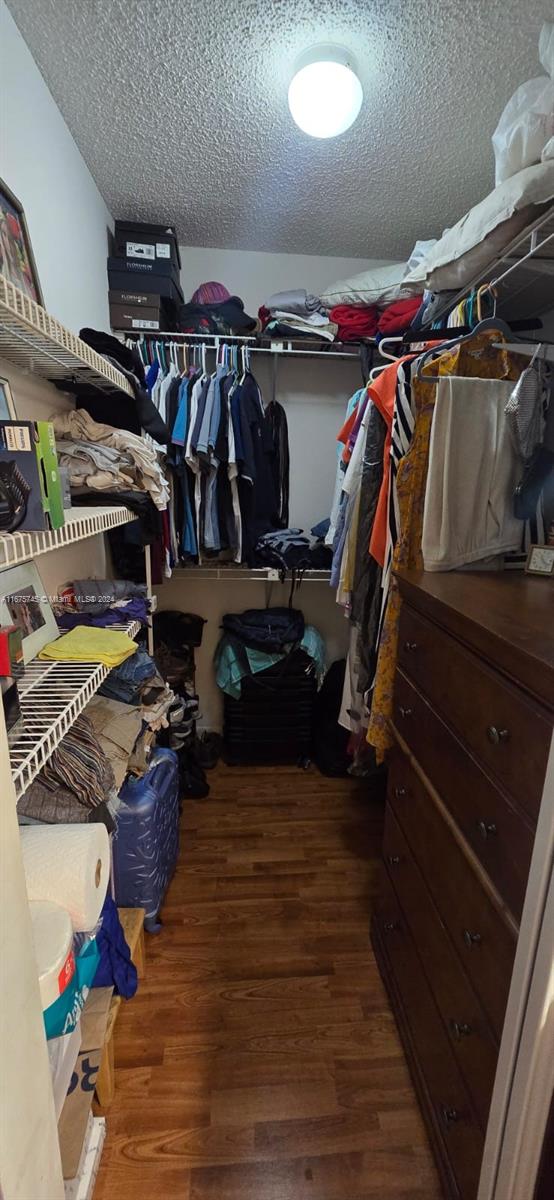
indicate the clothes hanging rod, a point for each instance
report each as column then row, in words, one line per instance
column 171, row 334
column 274, row 351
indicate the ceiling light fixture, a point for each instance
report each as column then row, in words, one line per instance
column 325, row 94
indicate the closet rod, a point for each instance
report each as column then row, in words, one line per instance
column 275, row 350
column 281, row 346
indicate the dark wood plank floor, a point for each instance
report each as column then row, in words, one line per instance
column 259, row 1059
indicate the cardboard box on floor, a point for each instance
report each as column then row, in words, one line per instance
column 72, row 1125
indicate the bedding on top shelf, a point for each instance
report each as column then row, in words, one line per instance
column 470, row 246
column 463, row 252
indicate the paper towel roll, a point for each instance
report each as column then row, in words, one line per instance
column 53, row 941
column 70, row 865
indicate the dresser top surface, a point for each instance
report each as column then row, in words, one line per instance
column 505, row 618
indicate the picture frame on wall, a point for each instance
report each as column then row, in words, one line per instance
column 7, row 406
column 23, row 603
column 17, row 261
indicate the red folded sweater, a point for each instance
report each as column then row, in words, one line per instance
column 354, row 322
column 396, row 317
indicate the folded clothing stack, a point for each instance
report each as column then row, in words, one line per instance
column 107, row 459
column 101, row 602
column 397, row 317
column 296, row 313
column 76, row 785
column 117, row 727
column 353, row 322
column 87, row 644
column 127, row 681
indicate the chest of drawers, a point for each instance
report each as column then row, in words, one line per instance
column 473, row 718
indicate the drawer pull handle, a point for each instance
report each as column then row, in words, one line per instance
column 460, row 1030
column 497, row 736
column 410, row 646
column 391, row 926
column 471, row 939
column 393, row 860
column 487, row 829
column 449, row 1115
column 399, row 792
column 405, row 712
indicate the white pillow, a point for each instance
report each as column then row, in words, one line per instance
column 471, row 245
column 376, row 285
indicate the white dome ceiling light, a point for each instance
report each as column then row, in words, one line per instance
column 325, row 94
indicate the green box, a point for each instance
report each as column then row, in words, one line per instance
column 49, row 474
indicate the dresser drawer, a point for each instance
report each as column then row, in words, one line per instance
column 485, row 944
column 499, row 836
column 441, row 1087
column 467, row 1028
column 507, row 732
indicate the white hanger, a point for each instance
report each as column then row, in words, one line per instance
column 388, row 341
column 375, row 371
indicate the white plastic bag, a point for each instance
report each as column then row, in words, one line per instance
column 419, row 254
column 527, row 123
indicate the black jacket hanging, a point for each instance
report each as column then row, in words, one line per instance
column 276, row 418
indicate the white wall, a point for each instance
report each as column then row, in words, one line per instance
column 254, row 274
column 66, row 215
column 30, row 1164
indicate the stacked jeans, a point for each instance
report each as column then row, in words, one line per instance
column 126, row 681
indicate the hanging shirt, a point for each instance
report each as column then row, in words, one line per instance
column 472, row 473
column 383, row 393
column 476, row 358
column 257, row 494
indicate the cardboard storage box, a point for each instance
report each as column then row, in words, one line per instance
column 158, row 278
column 148, row 311
column 72, row 1125
column 140, row 240
column 30, row 485
column 135, row 297
column 130, row 316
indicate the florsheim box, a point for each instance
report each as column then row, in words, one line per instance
column 138, row 239
column 30, row 485
column 153, row 277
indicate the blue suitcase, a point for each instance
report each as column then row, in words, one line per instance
column 146, row 842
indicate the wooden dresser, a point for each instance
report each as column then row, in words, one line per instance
column 473, row 716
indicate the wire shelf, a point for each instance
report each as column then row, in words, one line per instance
column 52, row 695
column 522, row 275
column 236, row 574
column 35, row 341
column 80, row 523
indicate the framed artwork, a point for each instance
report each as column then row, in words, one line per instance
column 23, row 602
column 7, row 407
column 17, row 261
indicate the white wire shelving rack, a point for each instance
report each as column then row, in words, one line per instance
column 36, row 342
column 522, row 276
column 257, row 344
column 52, row 695
column 80, row 523
column 220, row 573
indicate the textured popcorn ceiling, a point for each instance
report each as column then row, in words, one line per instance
column 179, row 108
